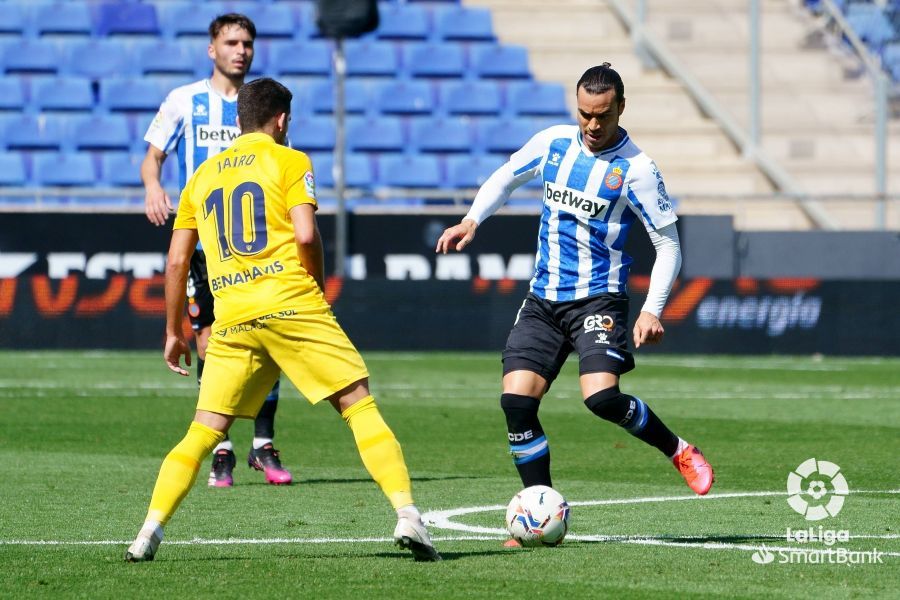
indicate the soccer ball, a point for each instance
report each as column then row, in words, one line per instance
column 538, row 516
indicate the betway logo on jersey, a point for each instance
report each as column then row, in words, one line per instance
column 577, row 203
column 212, row 135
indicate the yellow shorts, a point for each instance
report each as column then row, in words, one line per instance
column 243, row 361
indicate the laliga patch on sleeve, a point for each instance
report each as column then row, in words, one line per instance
column 310, row 182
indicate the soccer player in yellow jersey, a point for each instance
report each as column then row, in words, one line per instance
column 253, row 207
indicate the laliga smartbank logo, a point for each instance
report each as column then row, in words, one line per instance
column 817, row 490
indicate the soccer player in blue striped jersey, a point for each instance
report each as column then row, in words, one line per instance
column 597, row 184
column 198, row 121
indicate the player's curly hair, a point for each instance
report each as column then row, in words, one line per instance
column 259, row 101
column 602, row 78
column 223, row 21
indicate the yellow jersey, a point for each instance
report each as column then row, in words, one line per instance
column 238, row 201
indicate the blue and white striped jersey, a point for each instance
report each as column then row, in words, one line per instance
column 196, row 120
column 590, row 202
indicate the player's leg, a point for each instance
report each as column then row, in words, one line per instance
column 263, row 456
column 598, row 330
column 535, row 351
column 326, row 366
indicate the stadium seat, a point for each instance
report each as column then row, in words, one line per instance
column 413, row 171
column 306, row 20
column 127, row 18
column 13, row 19
column 442, row 135
column 63, row 18
column 369, row 134
column 57, row 169
column 12, row 170
column 31, row 56
column 537, row 98
column 29, row 132
column 132, row 94
column 167, row 57
column 872, row 25
column 12, row 94
column 405, row 98
column 271, row 20
column 471, row 97
column 500, row 61
column 121, row 169
column 358, row 172
column 312, row 134
column 102, row 132
column 402, row 22
column 356, row 96
column 188, row 19
column 465, row 23
column 62, row 94
column 371, row 58
column 504, row 135
column 434, row 59
column 98, row 58
column 469, row 171
column 311, row 57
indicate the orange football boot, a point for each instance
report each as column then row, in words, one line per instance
column 697, row 473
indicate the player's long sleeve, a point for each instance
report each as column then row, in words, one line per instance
column 495, row 192
column 665, row 267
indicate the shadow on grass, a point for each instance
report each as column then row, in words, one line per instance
column 302, row 482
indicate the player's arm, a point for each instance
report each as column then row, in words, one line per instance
column 647, row 328
column 157, row 204
column 309, row 242
column 177, row 265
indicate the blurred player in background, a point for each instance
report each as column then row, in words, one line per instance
column 199, row 121
column 253, row 207
column 597, row 183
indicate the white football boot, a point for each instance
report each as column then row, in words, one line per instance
column 410, row 534
column 144, row 547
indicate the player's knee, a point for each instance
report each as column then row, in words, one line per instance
column 521, row 415
column 614, row 406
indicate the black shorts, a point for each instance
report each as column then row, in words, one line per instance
column 546, row 332
column 199, row 296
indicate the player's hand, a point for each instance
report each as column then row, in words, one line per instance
column 460, row 235
column 647, row 329
column 158, row 206
column 176, row 346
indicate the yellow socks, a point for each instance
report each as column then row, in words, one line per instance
column 179, row 471
column 380, row 451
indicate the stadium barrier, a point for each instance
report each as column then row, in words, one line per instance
column 96, row 281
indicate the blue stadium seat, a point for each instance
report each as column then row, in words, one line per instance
column 412, row 171
column 369, row 134
column 504, row 135
column 62, row 93
column 188, row 19
column 29, row 132
column 271, row 20
column 31, row 56
column 501, row 61
column 405, row 98
column 312, row 134
column 356, row 96
column 890, row 55
column 127, row 18
column 470, row 171
column 12, row 94
column 98, row 58
column 166, row 57
column 102, row 132
column 870, row 22
column 12, row 170
column 13, row 18
column 402, row 22
column 121, row 169
column 132, row 94
column 471, row 98
column 64, row 169
column 63, row 18
column 434, row 59
column 465, row 23
column 311, row 57
column 451, row 134
column 358, row 171
column 306, row 19
column 537, row 98
column 372, row 58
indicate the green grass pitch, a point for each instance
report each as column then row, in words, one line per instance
column 82, row 436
